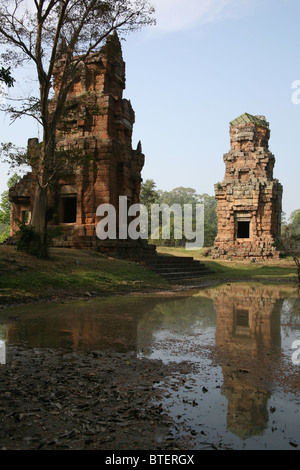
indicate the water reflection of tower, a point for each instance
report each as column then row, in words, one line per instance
column 247, row 336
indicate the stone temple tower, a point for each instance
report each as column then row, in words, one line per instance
column 249, row 200
column 97, row 129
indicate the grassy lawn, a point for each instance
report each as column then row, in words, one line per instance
column 69, row 272
column 75, row 273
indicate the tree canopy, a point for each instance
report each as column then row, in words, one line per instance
column 4, row 201
column 44, row 31
column 5, row 208
column 289, row 242
column 295, row 221
column 181, row 195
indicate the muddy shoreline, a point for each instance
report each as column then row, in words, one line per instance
column 97, row 400
column 67, row 296
column 62, row 296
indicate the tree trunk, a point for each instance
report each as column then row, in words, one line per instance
column 39, row 210
column 39, row 221
column 44, row 169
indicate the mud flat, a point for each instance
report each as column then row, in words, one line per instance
column 102, row 400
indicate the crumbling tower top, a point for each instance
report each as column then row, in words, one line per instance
column 249, row 155
column 247, row 133
column 101, row 72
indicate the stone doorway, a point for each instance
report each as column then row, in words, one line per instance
column 69, row 209
column 243, row 229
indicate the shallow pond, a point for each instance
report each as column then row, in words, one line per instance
column 242, row 339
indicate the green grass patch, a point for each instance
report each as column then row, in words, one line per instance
column 72, row 272
column 253, row 271
column 76, row 272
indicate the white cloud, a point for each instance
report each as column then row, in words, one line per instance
column 175, row 15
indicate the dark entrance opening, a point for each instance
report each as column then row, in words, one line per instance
column 69, row 210
column 243, row 230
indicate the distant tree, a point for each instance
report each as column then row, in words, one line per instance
column 283, row 219
column 289, row 242
column 181, row 195
column 295, row 221
column 41, row 32
column 178, row 196
column 148, row 195
column 5, row 208
column 210, row 218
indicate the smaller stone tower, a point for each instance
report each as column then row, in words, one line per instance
column 249, row 200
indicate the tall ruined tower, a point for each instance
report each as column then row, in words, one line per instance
column 96, row 131
column 249, row 200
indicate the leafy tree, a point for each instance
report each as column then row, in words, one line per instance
column 151, row 195
column 289, row 242
column 5, row 76
column 183, row 196
column 148, row 195
column 5, row 208
column 15, row 156
column 295, row 221
column 180, row 196
column 210, row 218
column 4, row 232
column 42, row 32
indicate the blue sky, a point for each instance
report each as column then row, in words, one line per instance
column 205, row 63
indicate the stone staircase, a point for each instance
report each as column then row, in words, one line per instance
column 176, row 267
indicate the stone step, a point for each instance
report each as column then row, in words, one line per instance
column 171, row 260
column 156, row 257
column 163, row 262
column 184, row 275
column 176, row 267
